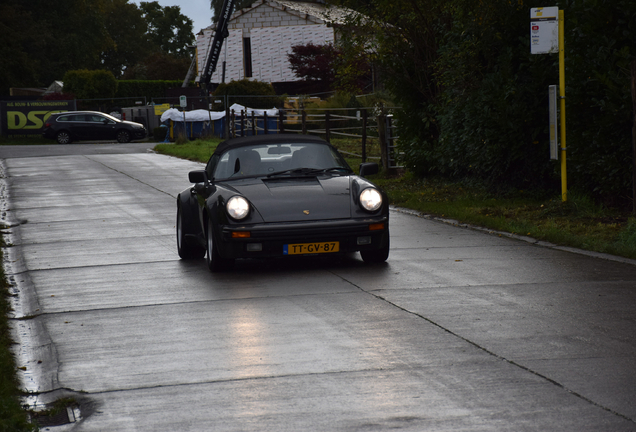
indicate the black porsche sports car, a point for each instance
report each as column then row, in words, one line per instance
column 277, row 195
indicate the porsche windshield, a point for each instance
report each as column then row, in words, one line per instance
column 272, row 159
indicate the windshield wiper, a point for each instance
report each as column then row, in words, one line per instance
column 308, row 171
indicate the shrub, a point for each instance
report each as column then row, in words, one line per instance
column 159, row 133
column 252, row 94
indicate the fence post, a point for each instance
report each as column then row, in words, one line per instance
column 243, row 115
column 382, row 137
column 390, row 145
column 265, row 128
column 281, row 122
column 226, row 132
column 364, row 135
column 254, row 131
column 304, row 122
column 328, row 135
column 233, row 118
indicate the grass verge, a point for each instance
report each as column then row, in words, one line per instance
column 35, row 140
column 199, row 150
column 578, row 223
column 13, row 417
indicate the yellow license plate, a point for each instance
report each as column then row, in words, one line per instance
column 311, row 248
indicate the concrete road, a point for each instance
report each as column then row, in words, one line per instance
column 460, row 330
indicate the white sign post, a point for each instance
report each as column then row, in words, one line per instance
column 183, row 102
column 554, row 141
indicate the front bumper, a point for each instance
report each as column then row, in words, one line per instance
column 138, row 134
column 352, row 235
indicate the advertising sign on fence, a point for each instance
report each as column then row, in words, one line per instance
column 20, row 119
column 160, row 109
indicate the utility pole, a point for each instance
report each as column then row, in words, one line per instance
column 634, row 136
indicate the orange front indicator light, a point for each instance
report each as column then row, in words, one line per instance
column 241, row 234
column 376, row 227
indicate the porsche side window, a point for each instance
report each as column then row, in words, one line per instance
column 212, row 167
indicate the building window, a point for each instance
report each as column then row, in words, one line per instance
column 247, row 57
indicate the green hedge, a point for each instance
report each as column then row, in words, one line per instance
column 150, row 89
column 90, row 84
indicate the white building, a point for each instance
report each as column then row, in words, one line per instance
column 261, row 36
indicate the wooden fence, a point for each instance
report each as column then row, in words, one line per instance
column 359, row 123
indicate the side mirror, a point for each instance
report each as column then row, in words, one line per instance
column 369, row 168
column 197, row 176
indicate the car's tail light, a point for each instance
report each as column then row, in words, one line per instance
column 47, row 124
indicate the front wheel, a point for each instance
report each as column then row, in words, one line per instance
column 213, row 259
column 63, row 137
column 123, row 136
column 185, row 249
column 377, row 255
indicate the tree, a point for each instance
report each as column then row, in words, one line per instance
column 474, row 100
column 128, row 35
column 353, row 70
column 159, row 66
column 246, row 87
column 168, row 29
column 41, row 43
column 400, row 37
column 314, row 65
column 17, row 31
column 599, row 50
column 324, row 68
column 492, row 98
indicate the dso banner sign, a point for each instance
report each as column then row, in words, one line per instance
column 20, row 119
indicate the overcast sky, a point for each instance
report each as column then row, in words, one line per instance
column 197, row 10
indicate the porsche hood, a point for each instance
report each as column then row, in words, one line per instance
column 299, row 199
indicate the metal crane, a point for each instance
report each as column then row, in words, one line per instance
column 215, row 49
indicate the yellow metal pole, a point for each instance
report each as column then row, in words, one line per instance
column 564, row 176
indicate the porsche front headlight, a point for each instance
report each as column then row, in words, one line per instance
column 370, row 199
column 237, row 207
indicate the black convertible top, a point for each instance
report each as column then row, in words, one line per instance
column 268, row 139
